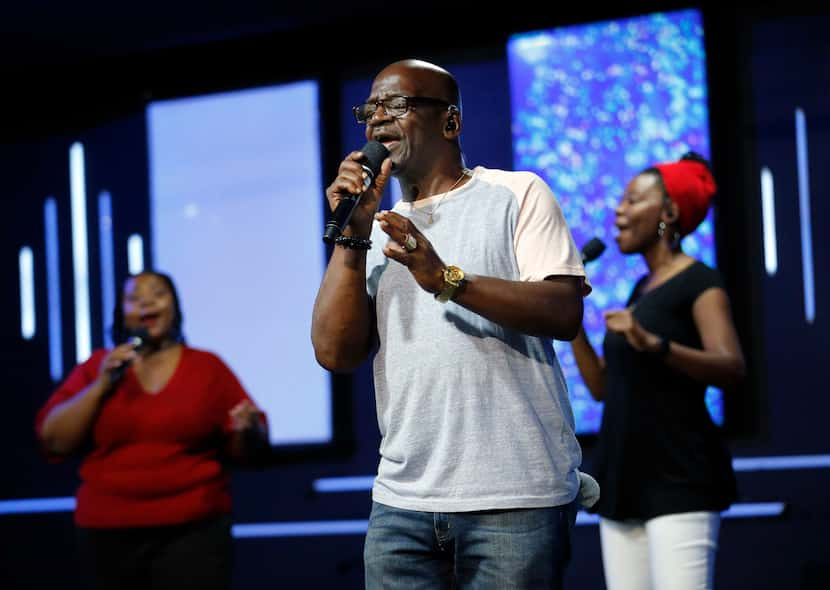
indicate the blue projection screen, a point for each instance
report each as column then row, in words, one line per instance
column 236, row 219
column 593, row 105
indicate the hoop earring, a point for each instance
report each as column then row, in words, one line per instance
column 661, row 228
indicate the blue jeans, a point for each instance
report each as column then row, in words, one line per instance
column 492, row 549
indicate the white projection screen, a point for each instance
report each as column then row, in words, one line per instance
column 236, row 219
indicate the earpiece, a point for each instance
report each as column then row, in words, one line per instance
column 451, row 124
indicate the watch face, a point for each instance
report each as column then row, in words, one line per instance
column 453, row 275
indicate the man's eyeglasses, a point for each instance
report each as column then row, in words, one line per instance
column 394, row 106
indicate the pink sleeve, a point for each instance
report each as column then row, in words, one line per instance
column 543, row 242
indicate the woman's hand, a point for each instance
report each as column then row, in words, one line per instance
column 623, row 322
column 245, row 416
column 248, row 441
column 120, row 356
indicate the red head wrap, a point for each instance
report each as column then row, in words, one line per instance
column 690, row 185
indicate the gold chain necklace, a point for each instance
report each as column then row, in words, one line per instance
column 441, row 198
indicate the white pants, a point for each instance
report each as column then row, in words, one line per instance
column 672, row 552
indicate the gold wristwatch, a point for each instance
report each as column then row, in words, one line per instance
column 453, row 279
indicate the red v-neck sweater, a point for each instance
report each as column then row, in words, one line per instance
column 154, row 458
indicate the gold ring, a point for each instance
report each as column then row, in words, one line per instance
column 409, row 243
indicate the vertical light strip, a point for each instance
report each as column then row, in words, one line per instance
column 27, row 292
column 768, row 215
column 107, row 264
column 53, row 289
column 135, row 254
column 80, row 263
column 804, row 214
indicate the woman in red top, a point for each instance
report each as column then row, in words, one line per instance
column 154, row 420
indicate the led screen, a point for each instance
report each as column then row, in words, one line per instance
column 236, row 219
column 593, row 105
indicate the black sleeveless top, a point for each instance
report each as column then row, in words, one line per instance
column 658, row 450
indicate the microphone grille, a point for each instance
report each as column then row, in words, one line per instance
column 375, row 153
column 138, row 337
column 592, row 250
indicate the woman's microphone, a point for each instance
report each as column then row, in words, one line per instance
column 138, row 337
column 592, row 250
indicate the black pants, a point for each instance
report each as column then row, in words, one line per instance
column 192, row 555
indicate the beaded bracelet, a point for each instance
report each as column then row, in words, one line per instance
column 353, row 243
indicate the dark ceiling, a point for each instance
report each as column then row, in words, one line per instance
column 45, row 33
column 63, row 63
column 39, row 32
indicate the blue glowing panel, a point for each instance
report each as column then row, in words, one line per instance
column 135, row 254
column 592, row 106
column 237, row 221
column 26, row 266
column 53, row 289
column 107, row 264
column 80, row 254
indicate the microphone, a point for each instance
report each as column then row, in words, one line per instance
column 375, row 153
column 138, row 337
column 592, row 250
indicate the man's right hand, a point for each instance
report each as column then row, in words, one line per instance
column 349, row 181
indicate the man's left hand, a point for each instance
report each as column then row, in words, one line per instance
column 411, row 248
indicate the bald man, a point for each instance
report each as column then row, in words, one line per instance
column 457, row 292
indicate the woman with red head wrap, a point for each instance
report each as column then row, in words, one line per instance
column 664, row 473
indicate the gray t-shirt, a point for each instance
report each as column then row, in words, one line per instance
column 473, row 416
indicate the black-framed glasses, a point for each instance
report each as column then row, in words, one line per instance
column 394, row 106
